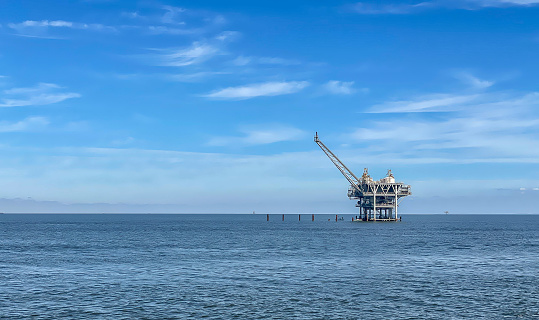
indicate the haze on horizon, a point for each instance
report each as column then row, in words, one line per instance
column 211, row 106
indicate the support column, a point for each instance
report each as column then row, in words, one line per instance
column 374, row 206
column 396, row 205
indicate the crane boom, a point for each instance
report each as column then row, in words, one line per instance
column 354, row 181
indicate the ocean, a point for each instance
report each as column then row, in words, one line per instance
column 150, row 266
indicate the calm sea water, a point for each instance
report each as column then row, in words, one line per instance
column 242, row 267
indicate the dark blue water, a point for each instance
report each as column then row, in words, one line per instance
column 242, row 267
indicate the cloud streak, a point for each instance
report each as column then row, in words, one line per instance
column 172, row 14
column 42, row 94
column 428, row 103
column 259, row 90
column 243, row 61
column 399, row 8
column 28, row 124
column 195, row 54
column 500, row 130
column 254, row 137
column 340, row 87
column 504, row 3
column 376, row 8
column 153, row 20
column 472, row 81
column 41, row 28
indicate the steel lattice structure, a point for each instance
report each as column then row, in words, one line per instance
column 377, row 200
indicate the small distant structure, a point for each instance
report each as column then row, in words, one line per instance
column 446, row 212
column 377, row 200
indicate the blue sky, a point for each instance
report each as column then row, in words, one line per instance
column 211, row 106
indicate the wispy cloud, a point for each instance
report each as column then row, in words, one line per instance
column 171, row 20
column 123, row 141
column 340, row 87
column 42, row 94
column 471, row 80
column 228, row 35
column 172, row 14
column 171, row 30
column 504, row 3
column 130, row 14
column 28, row 124
column 501, row 130
column 162, row 175
column 152, row 20
column 194, row 77
column 245, row 60
column 40, row 28
column 259, row 90
column 196, row 53
column 400, row 8
column 428, row 103
column 251, row 137
column 376, row 8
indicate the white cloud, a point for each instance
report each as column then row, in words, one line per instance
column 243, row 61
column 123, row 141
column 194, row 77
column 276, row 60
column 33, row 24
column 376, row 8
column 131, row 14
column 504, row 3
column 259, row 136
column 283, row 182
column 168, row 20
column 400, row 8
column 259, row 90
column 501, row 131
column 39, row 88
column 42, row 94
column 42, row 99
column 191, row 182
column 228, row 35
column 41, row 23
column 340, row 87
column 28, row 124
column 187, row 179
column 171, row 15
column 171, row 30
column 181, row 21
column 471, row 80
column 195, row 54
column 428, row 103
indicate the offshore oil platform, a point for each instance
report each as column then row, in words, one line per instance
column 377, row 200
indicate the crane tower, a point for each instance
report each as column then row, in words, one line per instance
column 377, row 200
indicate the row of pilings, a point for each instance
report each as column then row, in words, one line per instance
column 299, row 217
